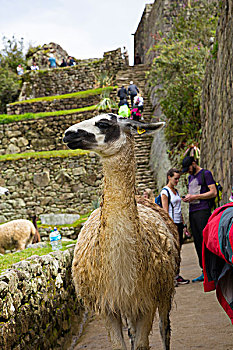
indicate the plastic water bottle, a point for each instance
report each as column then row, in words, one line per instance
column 55, row 239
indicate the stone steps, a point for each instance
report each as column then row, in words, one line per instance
column 144, row 174
column 144, row 177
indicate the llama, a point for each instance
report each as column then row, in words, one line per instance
column 18, row 234
column 4, row 190
column 126, row 254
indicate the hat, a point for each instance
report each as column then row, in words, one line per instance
column 231, row 196
column 187, row 161
column 131, row 82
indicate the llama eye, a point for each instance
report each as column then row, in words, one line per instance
column 102, row 125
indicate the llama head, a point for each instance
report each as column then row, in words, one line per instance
column 4, row 190
column 106, row 133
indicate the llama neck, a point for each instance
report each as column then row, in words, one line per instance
column 119, row 182
column 119, row 225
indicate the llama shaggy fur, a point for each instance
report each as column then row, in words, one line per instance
column 127, row 253
column 17, row 234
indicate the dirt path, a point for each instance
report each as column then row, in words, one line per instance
column 198, row 321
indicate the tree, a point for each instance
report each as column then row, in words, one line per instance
column 9, row 88
column 12, row 54
column 10, row 57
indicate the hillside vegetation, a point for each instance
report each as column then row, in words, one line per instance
column 178, row 70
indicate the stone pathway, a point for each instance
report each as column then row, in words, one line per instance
column 198, row 321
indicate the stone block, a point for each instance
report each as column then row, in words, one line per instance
column 58, row 219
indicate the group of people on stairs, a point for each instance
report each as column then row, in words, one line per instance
column 136, row 100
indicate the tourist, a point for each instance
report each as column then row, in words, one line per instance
column 71, row 61
column 34, row 66
column 138, row 102
column 125, row 55
column 132, row 91
column 122, row 102
column 171, row 203
column 122, row 93
column 148, row 193
column 124, row 111
column 64, row 63
column 135, row 114
column 19, row 69
column 52, row 61
column 199, row 193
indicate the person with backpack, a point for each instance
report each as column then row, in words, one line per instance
column 171, row 202
column 132, row 91
column 138, row 102
column 124, row 111
column 135, row 114
column 122, row 93
column 201, row 188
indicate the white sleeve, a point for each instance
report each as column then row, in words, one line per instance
column 164, row 192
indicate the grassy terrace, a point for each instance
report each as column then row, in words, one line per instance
column 8, row 259
column 11, row 118
column 80, row 94
column 45, row 154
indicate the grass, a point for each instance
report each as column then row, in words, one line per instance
column 44, row 154
column 79, row 94
column 11, row 118
column 8, row 260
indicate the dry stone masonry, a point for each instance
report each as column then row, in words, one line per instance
column 50, row 185
column 59, row 81
column 44, row 134
column 38, row 303
column 217, row 107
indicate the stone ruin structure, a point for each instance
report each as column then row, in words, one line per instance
column 36, row 295
column 217, row 108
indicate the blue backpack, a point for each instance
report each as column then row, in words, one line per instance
column 158, row 199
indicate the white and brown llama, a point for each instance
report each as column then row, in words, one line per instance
column 127, row 254
column 18, row 234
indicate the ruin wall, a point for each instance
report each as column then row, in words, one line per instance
column 59, row 81
column 38, row 304
column 217, row 107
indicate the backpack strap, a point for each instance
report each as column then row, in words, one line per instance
column 205, row 183
column 169, row 200
column 203, row 180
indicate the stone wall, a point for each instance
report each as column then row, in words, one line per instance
column 67, row 184
column 54, row 105
column 44, row 134
column 156, row 18
column 140, row 34
column 54, row 185
column 57, row 104
column 217, row 107
column 58, row 81
column 38, row 303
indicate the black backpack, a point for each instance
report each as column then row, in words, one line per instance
column 213, row 202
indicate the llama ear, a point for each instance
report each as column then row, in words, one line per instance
column 142, row 128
